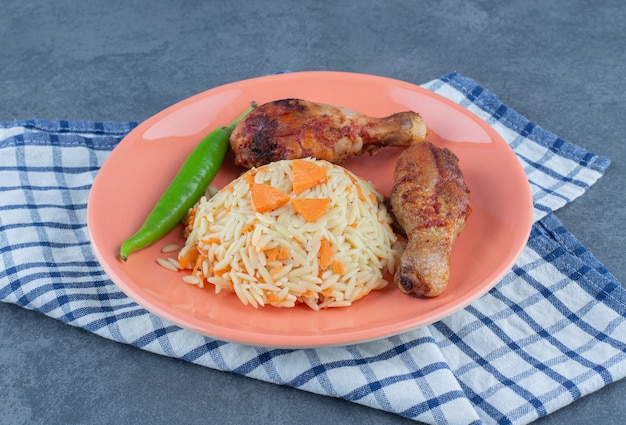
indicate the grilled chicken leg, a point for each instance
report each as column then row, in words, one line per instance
column 430, row 201
column 295, row 128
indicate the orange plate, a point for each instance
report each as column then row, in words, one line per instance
column 145, row 161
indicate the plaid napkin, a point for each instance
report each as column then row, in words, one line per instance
column 550, row 332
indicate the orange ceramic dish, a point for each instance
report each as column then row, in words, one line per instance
column 145, row 161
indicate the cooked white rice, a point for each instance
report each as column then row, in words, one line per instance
column 272, row 258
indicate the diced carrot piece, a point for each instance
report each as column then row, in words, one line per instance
column 189, row 258
column 283, row 253
column 360, row 193
column 278, row 253
column 248, row 227
column 266, row 198
column 220, row 272
column 275, row 270
column 273, row 298
column 197, row 265
column 311, row 208
column 189, row 220
column 248, row 176
column 271, row 254
column 338, row 267
column 305, row 175
column 325, row 254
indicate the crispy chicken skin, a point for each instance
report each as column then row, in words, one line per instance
column 295, row 128
column 430, row 202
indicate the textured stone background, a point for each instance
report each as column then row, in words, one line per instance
column 562, row 64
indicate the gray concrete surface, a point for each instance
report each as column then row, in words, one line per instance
column 562, row 64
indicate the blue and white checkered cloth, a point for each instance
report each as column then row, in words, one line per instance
column 552, row 331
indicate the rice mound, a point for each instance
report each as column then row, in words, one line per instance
column 273, row 258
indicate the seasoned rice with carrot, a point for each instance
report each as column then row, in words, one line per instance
column 326, row 244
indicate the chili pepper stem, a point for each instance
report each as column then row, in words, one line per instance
column 230, row 127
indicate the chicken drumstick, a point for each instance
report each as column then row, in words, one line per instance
column 430, row 201
column 295, row 128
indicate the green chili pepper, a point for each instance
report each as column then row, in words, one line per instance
column 188, row 185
